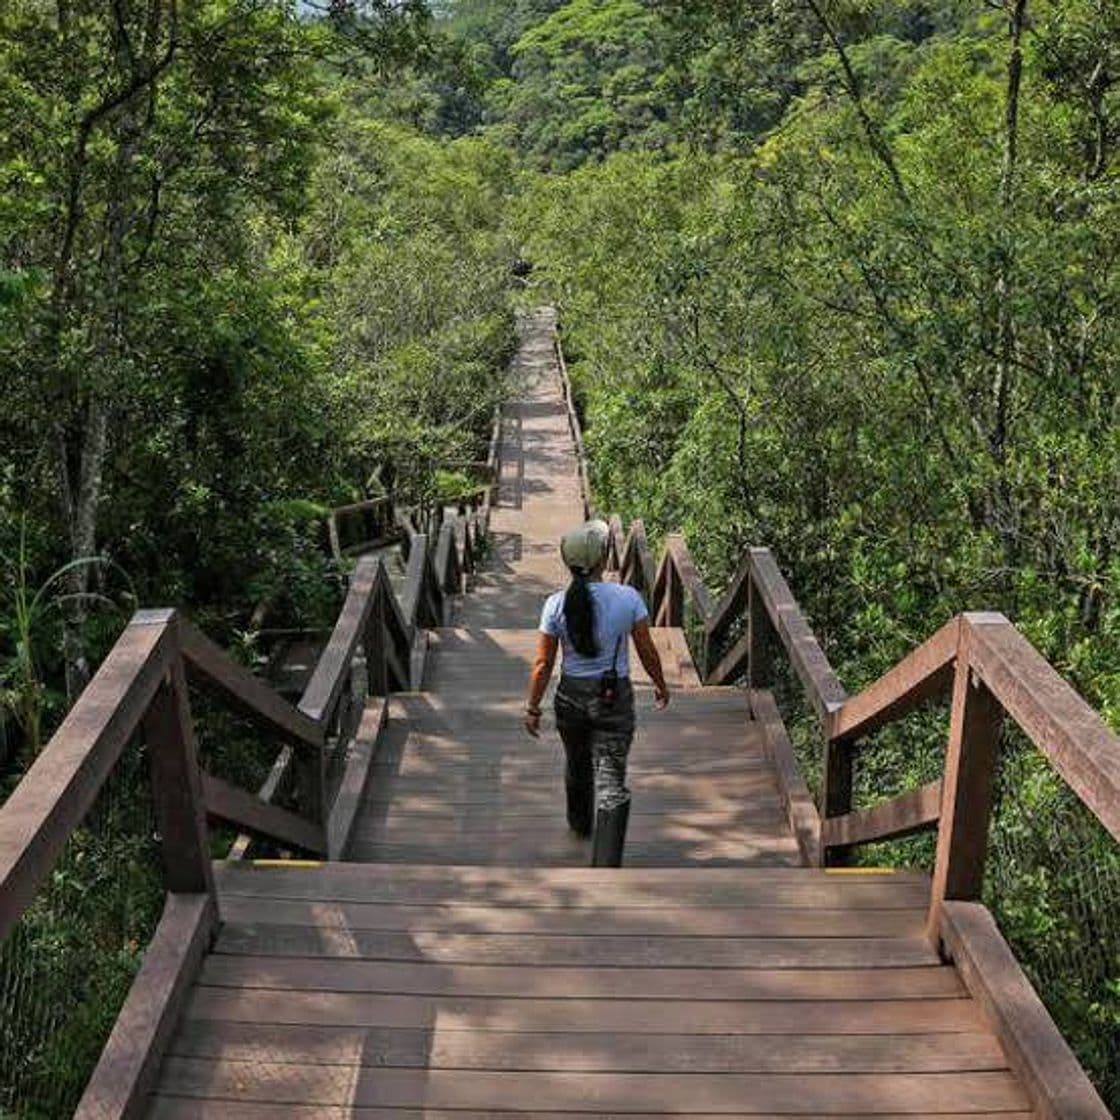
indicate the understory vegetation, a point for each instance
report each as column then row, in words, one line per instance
column 839, row 277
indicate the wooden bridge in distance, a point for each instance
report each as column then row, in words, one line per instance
column 447, row 953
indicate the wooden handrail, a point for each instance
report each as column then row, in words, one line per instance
column 141, row 687
column 127, row 694
column 981, row 648
column 248, row 692
column 1084, row 751
column 381, row 506
column 331, row 672
column 62, row 784
column 924, row 674
column 573, row 424
column 822, row 686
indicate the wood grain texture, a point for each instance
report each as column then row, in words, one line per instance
column 601, row 920
column 595, row 1092
column 360, row 754
column 923, row 675
column 645, row 1016
column 190, row 1108
column 460, row 976
column 253, row 697
column 244, row 810
column 1057, row 1085
column 822, row 686
column 62, row 783
column 177, row 793
column 594, row 983
column 1055, row 718
column 801, row 810
column 913, row 811
column 967, row 788
column 605, row 950
column 129, row 1063
column 439, row 1047
column 332, row 670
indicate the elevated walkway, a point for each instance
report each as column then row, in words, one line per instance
column 468, row 963
column 446, row 953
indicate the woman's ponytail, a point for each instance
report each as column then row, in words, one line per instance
column 579, row 614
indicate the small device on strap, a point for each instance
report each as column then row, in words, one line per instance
column 608, row 682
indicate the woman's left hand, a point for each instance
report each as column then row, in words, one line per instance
column 532, row 724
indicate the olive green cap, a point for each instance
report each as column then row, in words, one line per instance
column 585, row 548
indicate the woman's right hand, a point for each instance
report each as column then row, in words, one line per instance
column 661, row 697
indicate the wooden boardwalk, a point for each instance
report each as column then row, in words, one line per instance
column 466, row 963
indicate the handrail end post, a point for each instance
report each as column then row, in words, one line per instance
column 975, row 722
column 168, row 731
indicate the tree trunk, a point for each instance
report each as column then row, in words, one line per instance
column 1004, row 511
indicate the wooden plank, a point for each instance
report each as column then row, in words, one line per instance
column 62, row 783
column 592, row 921
column 689, row 575
column 760, row 637
column 642, row 563
column 417, row 659
column 642, row 1016
column 284, row 761
column 323, row 975
column 770, row 888
column 194, row 1108
column 1055, row 718
column 836, row 796
column 569, row 851
column 414, row 579
column 252, row 695
column 332, row 671
column 176, row 786
column 359, row 758
column 801, row 810
column 129, row 1062
column 245, row 810
column 608, row 950
column 1055, row 1082
column 913, row 811
column 924, row 674
column 616, row 543
column 596, row 1092
column 464, row 785
column 585, row 1052
column 822, row 686
column 512, row 802
column 669, row 885
column 446, row 558
column 734, row 663
column 732, row 603
column 966, row 799
column 419, row 756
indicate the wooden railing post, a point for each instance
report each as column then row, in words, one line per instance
column 836, row 797
column 759, row 670
column 674, row 596
column 377, row 669
column 176, row 783
column 966, row 798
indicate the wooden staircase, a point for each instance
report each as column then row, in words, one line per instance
column 449, row 954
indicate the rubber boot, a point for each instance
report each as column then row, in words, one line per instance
column 581, row 809
column 610, row 836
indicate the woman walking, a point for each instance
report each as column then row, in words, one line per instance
column 593, row 621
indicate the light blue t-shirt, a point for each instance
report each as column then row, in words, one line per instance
column 618, row 609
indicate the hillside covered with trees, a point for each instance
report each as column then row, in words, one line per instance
column 841, row 277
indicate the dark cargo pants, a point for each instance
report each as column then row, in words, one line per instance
column 596, row 738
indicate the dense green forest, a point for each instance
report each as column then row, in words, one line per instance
column 841, row 277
